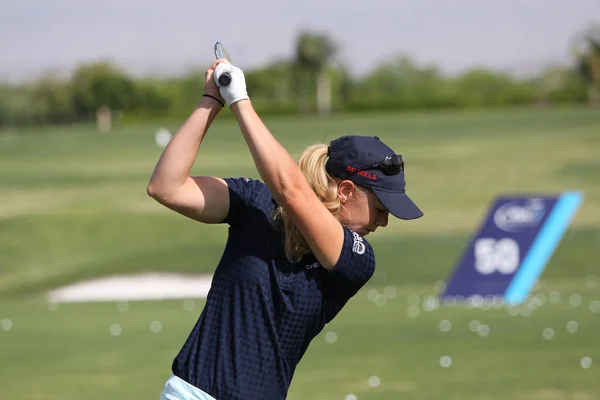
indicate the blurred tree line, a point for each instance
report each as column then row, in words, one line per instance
column 309, row 83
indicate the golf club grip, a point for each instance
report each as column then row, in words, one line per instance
column 225, row 79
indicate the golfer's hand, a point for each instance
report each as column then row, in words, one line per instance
column 210, row 86
column 236, row 90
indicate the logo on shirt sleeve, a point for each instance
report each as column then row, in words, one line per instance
column 358, row 247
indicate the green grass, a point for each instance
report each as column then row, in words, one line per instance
column 74, row 206
column 68, row 352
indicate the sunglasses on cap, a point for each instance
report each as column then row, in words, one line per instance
column 391, row 165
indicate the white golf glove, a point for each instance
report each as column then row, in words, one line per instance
column 236, row 90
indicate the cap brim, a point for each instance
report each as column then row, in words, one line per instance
column 399, row 204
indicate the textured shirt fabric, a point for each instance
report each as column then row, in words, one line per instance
column 262, row 311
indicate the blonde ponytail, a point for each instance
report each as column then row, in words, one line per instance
column 312, row 163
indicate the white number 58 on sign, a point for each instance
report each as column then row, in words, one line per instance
column 496, row 255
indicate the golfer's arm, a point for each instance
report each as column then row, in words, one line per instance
column 201, row 198
column 289, row 187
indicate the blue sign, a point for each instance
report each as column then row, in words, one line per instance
column 512, row 247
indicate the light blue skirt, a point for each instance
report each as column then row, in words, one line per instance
column 178, row 389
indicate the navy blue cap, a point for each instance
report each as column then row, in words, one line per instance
column 353, row 157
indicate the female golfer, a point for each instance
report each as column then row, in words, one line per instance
column 296, row 250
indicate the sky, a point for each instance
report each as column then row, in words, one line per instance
column 151, row 37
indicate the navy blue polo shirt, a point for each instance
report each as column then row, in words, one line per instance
column 262, row 311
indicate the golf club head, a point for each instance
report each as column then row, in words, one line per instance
column 220, row 52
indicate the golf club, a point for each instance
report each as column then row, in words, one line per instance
column 225, row 78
